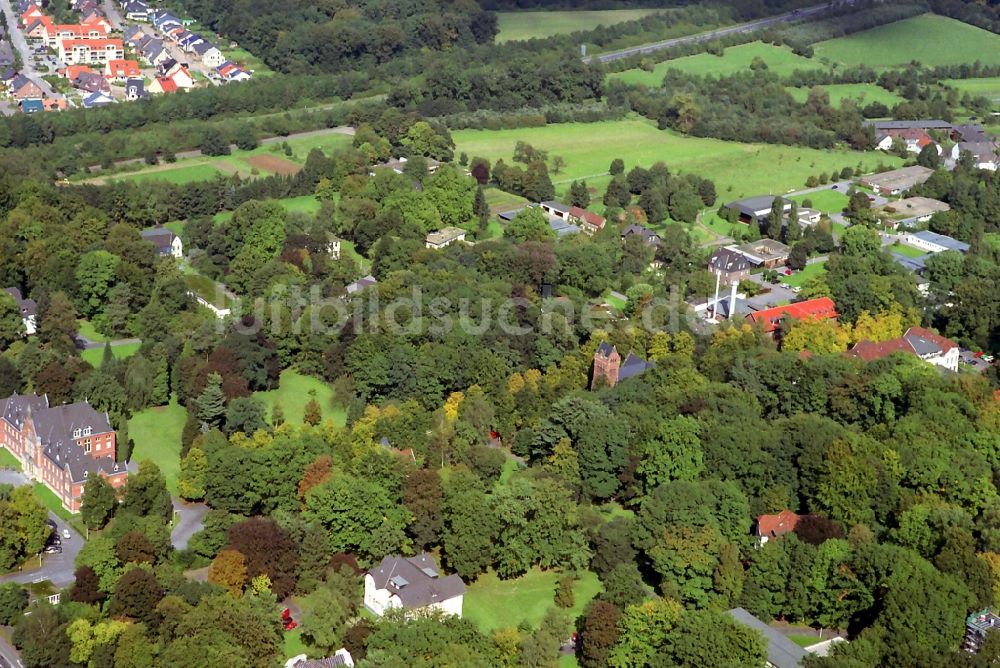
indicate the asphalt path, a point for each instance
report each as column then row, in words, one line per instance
column 715, row 34
column 9, row 658
column 57, row 568
column 190, row 520
column 27, row 60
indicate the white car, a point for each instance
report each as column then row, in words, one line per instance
column 66, row 534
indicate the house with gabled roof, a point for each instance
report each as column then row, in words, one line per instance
column 589, row 222
column 121, row 69
column 28, row 309
column 925, row 344
column 91, row 82
column 167, row 243
column 210, row 54
column 770, row 319
column 32, row 13
column 97, row 100
column 162, row 85
column 135, row 89
column 610, row 369
column 136, row 10
column 31, row 106
column 768, row 527
column 23, row 88
column 60, row 446
column 412, row 584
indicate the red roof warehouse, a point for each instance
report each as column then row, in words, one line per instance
column 821, row 308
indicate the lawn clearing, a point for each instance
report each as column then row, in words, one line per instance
column 797, row 279
column 907, row 251
column 96, row 355
column 779, row 59
column 826, row 201
column 492, row 603
column 529, row 25
column 157, row 435
column 988, row 87
column 294, row 645
column 738, row 170
column 804, row 640
column 8, row 461
column 568, row 661
column 86, row 330
column 500, row 201
column 178, row 175
column 306, row 204
column 861, row 94
column 929, row 39
column 293, row 395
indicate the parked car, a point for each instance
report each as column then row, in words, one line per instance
column 51, row 524
column 53, row 549
column 66, row 534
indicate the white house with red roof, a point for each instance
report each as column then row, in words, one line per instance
column 925, row 344
column 775, row 526
column 120, row 69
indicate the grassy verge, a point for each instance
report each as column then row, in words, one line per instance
column 492, row 603
column 85, row 329
column 294, row 645
column 779, row 59
column 861, row 94
column 827, row 201
column 157, row 435
column 8, row 461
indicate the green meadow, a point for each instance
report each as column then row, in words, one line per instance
column 779, row 59
column 988, row 87
column 861, row 94
column 491, row 603
column 529, row 25
column 157, row 435
column 94, row 356
column 738, row 170
column 929, row 39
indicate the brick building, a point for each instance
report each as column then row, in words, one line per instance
column 609, row 368
column 61, row 446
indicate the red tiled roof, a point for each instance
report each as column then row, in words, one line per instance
column 773, row 526
column 869, row 350
column 126, row 68
column 167, row 85
column 588, row 217
column 820, row 308
column 73, row 71
column 944, row 343
column 97, row 44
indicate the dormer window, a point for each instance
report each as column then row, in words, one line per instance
column 86, row 474
column 76, row 433
column 88, row 431
column 116, row 468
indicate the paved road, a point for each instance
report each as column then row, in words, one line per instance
column 27, row 62
column 714, row 34
column 9, row 658
column 191, row 522
column 84, row 343
column 110, row 8
column 58, row 568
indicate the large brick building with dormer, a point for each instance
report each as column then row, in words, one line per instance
column 61, row 446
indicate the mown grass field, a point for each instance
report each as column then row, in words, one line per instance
column 827, row 201
column 861, row 94
column 929, row 39
column 85, row 329
column 293, row 395
column 157, row 435
column 491, row 603
column 95, row 355
column 203, row 168
column 800, row 277
column 734, row 59
column 529, row 25
column 738, row 170
column 988, row 87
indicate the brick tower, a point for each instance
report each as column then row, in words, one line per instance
column 607, row 364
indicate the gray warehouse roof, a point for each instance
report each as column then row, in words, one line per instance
column 781, row 652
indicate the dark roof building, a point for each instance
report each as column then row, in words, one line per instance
column 756, row 208
column 647, row 235
column 411, row 583
column 930, row 124
column 27, row 307
column 781, row 652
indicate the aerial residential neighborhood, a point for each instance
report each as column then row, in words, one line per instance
column 118, row 49
column 499, row 334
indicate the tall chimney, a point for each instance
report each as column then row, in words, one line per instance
column 732, row 301
column 715, row 305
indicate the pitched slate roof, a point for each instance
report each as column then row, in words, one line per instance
column 55, row 426
column 416, row 580
column 649, row 236
column 633, row 366
column 161, row 236
column 917, row 341
column 27, row 307
column 725, row 259
column 781, row 652
column 605, row 349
